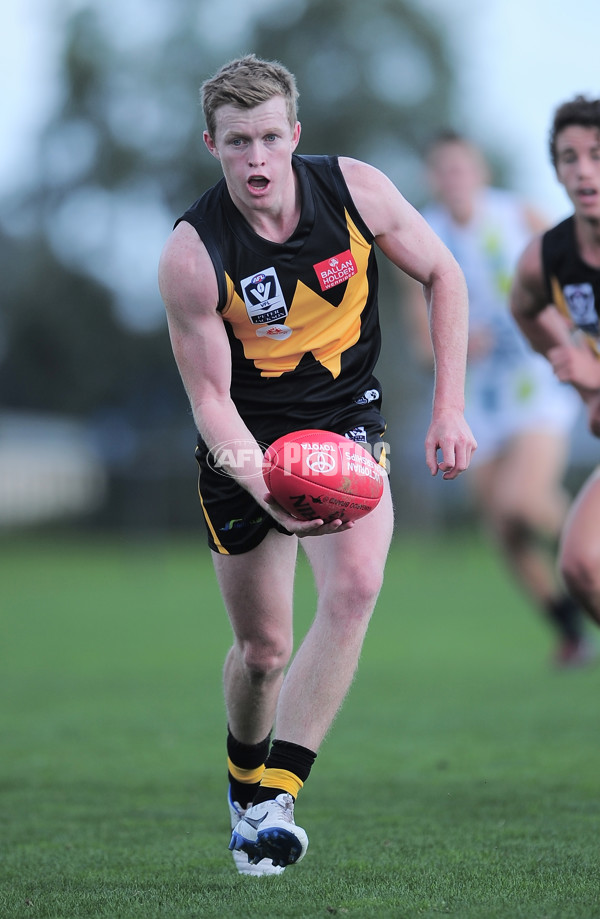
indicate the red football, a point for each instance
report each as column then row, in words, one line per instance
column 317, row 474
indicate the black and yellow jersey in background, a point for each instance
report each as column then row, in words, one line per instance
column 572, row 285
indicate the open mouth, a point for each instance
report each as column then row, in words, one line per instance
column 258, row 182
column 587, row 193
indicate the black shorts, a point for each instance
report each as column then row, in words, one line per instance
column 235, row 522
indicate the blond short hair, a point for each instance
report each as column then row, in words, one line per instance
column 247, row 82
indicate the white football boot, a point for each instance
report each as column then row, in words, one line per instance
column 263, row 868
column 267, row 832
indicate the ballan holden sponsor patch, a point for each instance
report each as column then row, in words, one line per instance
column 336, row 270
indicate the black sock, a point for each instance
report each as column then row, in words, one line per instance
column 290, row 757
column 245, row 756
column 565, row 615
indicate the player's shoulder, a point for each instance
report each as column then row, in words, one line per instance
column 356, row 171
column 507, row 206
column 375, row 196
column 501, row 197
column 529, row 289
column 184, row 262
column 530, row 263
column 182, row 247
column 561, row 235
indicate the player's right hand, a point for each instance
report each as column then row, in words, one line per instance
column 302, row 528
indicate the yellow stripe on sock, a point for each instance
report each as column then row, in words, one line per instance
column 281, row 778
column 247, row 776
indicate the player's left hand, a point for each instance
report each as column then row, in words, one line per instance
column 450, row 434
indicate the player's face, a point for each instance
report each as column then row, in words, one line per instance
column 456, row 175
column 255, row 147
column 578, row 168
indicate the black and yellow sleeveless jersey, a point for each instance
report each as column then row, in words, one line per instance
column 301, row 316
column 573, row 286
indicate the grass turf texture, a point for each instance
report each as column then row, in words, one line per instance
column 460, row 779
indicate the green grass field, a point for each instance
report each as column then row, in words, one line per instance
column 462, row 777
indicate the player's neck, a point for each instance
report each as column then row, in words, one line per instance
column 462, row 212
column 278, row 221
column 276, row 227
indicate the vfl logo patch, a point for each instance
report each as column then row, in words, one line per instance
column 336, row 270
column 263, row 297
column 580, row 298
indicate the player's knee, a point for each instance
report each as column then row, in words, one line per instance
column 368, row 585
column 523, row 518
column 265, row 659
column 518, row 527
column 357, row 588
column 581, row 571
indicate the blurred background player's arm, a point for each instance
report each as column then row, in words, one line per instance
column 550, row 333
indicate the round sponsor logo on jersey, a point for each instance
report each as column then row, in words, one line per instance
column 276, row 331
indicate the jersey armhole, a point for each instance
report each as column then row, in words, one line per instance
column 347, row 199
column 215, row 257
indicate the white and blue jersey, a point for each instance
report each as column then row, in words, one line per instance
column 510, row 388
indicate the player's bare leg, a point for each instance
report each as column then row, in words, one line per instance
column 580, row 549
column 257, row 588
column 524, row 505
column 348, row 569
column 521, row 496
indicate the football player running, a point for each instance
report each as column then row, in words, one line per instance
column 555, row 300
column 268, row 343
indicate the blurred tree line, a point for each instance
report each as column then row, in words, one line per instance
column 82, row 328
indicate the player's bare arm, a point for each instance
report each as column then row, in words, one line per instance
column 539, row 320
column 189, row 288
column 408, row 241
column 549, row 332
column 201, row 348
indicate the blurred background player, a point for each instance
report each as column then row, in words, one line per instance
column 555, row 300
column 520, row 414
